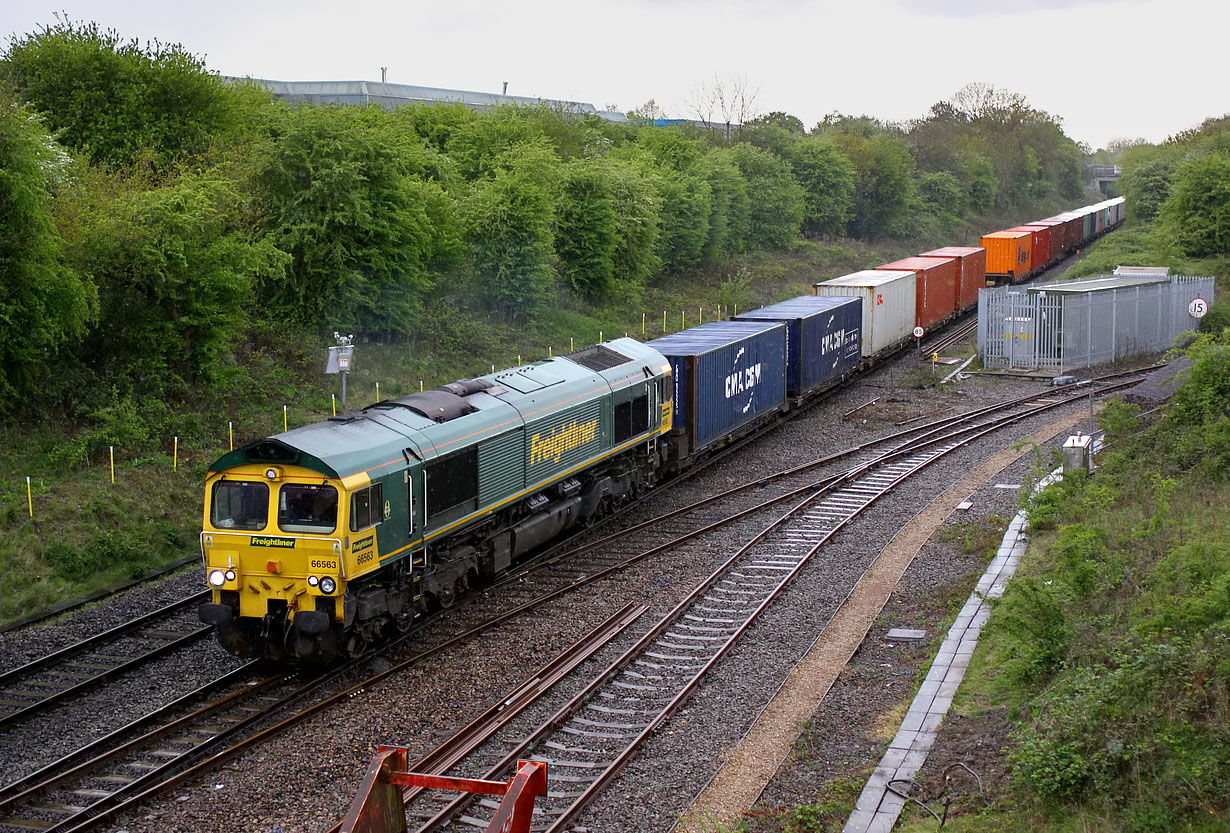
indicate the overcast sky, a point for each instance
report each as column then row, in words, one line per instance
column 1109, row 68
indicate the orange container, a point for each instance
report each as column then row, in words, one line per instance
column 935, row 286
column 1009, row 255
column 1041, row 245
column 971, row 271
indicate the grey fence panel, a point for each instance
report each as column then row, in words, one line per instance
column 1058, row 331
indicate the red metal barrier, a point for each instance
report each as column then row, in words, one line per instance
column 378, row 807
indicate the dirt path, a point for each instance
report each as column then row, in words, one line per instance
column 758, row 756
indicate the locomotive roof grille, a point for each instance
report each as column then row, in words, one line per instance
column 437, row 405
column 598, row 357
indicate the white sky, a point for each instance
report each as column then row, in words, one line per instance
column 1109, row 68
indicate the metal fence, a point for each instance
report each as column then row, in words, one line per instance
column 1063, row 330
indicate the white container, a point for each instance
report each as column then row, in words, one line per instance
column 889, row 305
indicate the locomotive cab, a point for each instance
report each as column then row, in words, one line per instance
column 272, row 543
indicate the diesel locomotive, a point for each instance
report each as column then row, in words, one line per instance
column 319, row 540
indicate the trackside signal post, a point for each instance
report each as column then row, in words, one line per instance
column 340, row 357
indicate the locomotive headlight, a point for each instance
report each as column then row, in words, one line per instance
column 217, row 578
column 313, row 581
column 327, row 585
column 230, row 575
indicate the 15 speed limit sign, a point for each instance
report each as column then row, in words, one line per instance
column 1198, row 308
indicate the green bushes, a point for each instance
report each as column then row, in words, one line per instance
column 1113, row 645
column 44, row 304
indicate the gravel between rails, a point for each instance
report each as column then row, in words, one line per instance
column 305, row 779
column 17, row 647
column 850, row 731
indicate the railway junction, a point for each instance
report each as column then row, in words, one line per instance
column 578, row 617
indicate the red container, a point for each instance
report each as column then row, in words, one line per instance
column 1071, row 224
column 1041, row 245
column 935, row 287
column 971, row 271
column 1057, row 239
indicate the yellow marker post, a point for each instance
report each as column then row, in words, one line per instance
column 701, row 315
column 333, row 402
column 112, row 462
column 518, row 360
column 600, row 336
column 736, row 309
column 642, row 324
column 683, row 320
column 230, row 430
column 175, row 456
column 284, row 426
column 29, row 496
column 570, row 347
column 663, row 322
column 420, row 385
column 549, row 352
column 377, row 391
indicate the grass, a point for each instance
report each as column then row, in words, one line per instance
column 1109, row 652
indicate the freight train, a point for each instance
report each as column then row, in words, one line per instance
column 319, row 541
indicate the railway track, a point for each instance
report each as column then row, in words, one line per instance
column 589, row 739
column 56, row 677
column 139, row 778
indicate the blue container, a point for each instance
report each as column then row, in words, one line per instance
column 726, row 373
column 823, row 337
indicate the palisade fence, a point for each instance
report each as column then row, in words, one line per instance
column 1057, row 331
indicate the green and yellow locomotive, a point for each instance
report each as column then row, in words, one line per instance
column 318, row 540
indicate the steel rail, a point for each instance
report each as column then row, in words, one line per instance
column 183, row 775
column 7, row 677
column 96, row 595
column 671, row 619
column 58, row 696
column 47, row 774
column 590, row 643
column 568, row 548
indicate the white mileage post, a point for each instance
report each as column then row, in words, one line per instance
column 1198, row 308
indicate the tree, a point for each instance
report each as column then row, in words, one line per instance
column 362, row 209
column 729, row 206
column 115, row 100
column 176, row 270
column 724, row 103
column 44, row 304
column 1198, row 209
column 509, row 218
column 827, row 180
column 775, row 199
column 883, row 183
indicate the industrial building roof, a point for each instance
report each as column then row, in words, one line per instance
column 390, row 96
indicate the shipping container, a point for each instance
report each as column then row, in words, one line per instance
column 1054, row 239
column 1009, row 255
column 726, row 374
column 935, row 287
column 889, row 302
column 1040, row 247
column 1089, row 224
column 823, row 338
column 1071, row 225
column 971, row 271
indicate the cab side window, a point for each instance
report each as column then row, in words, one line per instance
column 367, row 507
